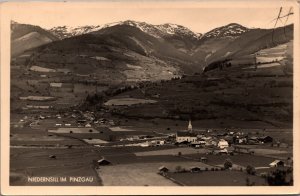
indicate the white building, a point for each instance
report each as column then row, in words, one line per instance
column 223, row 144
column 188, row 136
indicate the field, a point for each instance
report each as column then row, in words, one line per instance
column 218, row 97
column 68, row 163
column 242, row 160
column 128, row 101
column 74, row 130
column 95, row 141
column 41, row 69
column 141, row 174
column 216, row 178
column 173, row 151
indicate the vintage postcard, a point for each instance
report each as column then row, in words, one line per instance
column 149, row 97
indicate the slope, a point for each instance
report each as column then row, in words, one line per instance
column 25, row 37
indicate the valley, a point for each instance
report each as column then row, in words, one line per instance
column 110, row 101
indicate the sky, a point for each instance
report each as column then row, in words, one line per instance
column 197, row 19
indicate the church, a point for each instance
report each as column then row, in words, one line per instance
column 186, row 136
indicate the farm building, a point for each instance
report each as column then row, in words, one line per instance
column 163, row 169
column 277, row 163
column 195, row 169
column 203, row 159
column 265, row 139
column 186, row 136
column 223, row 144
column 103, row 161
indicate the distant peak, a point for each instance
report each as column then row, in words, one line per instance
column 229, row 30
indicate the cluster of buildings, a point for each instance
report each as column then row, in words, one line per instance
column 222, row 140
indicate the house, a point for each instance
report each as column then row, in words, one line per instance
column 223, row 144
column 203, row 159
column 277, row 163
column 163, row 169
column 52, row 156
column 103, row 161
column 266, row 139
column 195, row 169
column 88, row 125
column 241, row 140
column 186, row 136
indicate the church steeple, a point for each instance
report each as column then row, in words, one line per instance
column 190, row 127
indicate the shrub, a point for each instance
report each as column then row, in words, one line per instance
column 278, row 178
column 250, row 170
column 227, row 164
column 178, row 168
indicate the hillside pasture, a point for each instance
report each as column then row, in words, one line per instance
column 128, row 101
column 74, row 130
column 41, row 69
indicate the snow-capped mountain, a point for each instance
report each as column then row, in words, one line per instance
column 163, row 30
column 230, row 30
column 158, row 31
column 67, row 31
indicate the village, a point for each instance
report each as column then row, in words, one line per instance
column 175, row 155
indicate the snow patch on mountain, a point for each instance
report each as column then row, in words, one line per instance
column 231, row 30
column 158, row 31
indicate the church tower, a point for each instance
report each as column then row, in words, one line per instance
column 190, row 127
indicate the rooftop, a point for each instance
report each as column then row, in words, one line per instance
column 186, row 134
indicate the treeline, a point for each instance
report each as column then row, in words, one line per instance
column 218, row 64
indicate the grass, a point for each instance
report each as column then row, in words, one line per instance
column 142, row 173
column 74, row 130
column 128, row 101
column 133, row 175
column 236, row 97
column 173, row 151
column 216, row 178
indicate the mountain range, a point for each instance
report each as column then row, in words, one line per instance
column 140, row 50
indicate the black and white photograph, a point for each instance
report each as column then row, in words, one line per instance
column 150, row 96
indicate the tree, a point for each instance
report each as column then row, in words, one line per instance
column 178, row 168
column 250, row 170
column 278, row 178
column 227, row 164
